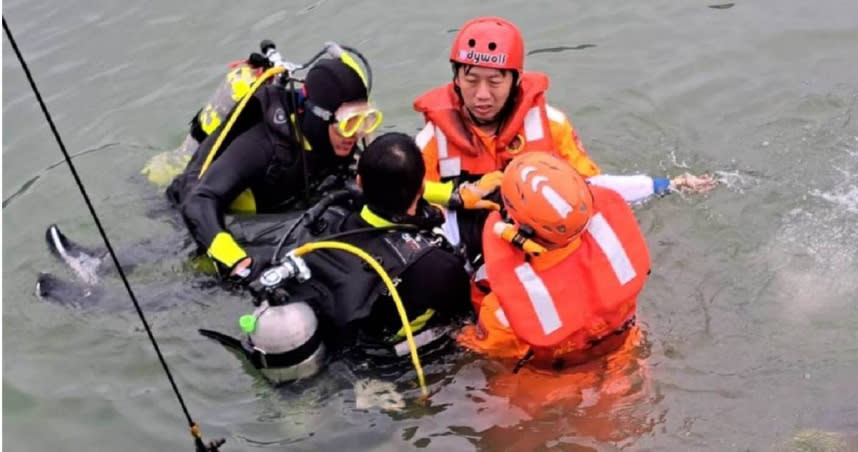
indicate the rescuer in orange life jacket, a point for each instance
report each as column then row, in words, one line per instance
column 492, row 111
column 565, row 262
column 564, row 267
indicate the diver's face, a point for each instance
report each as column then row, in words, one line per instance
column 353, row 120
column 484, row 90
column 342, row 146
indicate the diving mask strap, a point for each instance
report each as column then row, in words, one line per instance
column 322, row 113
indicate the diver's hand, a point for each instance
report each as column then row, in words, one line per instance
column 241, row 269
column 247, row 270
column 689, row 183
column 472, row 195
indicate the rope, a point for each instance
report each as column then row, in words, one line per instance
column 195, row 430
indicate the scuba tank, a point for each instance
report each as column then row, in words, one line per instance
column 235, row 86
column 282, row 338
column 240, row 83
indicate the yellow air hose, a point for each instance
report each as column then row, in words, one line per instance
column 313, row 246
column 232, row 118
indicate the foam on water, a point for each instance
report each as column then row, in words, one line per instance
column 845, row 193
column 735, row 180
column 815, row 254
column 846, row 197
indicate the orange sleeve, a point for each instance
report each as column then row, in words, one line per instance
column 566, row 141
column 429, row 147
column 491, row 336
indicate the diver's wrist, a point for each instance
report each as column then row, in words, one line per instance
column 242, row 268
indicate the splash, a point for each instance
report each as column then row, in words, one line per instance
column 674, row 160
column 377, row 393
column 845, row 197
column 815, row 249
column 736, row 180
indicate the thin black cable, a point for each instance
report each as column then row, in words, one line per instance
column 292, row 98
column 77, row 179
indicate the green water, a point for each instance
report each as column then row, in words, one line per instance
column 750, row 317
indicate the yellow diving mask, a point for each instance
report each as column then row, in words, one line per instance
column 351, row 120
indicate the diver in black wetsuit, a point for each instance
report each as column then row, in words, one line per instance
column 283, row 144
column 343, row 302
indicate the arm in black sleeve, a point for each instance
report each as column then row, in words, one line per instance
column 243, row 162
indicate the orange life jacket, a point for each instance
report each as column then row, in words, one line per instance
column 526, row 128
column 584, row 298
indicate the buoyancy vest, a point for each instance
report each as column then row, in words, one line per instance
column 460, row 151
column 581, row 300
column 348, row 287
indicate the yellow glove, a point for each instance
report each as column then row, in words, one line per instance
column 225, row 251
column 471, row 195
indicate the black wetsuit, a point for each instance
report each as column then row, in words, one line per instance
column 436, row 281
column 349, row 296
column 259, row 154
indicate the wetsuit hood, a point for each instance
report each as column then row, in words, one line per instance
column 329, row 84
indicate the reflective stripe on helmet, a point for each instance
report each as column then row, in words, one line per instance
column 556, row 201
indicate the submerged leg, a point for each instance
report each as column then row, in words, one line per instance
column 56, row 290
column 83, row 262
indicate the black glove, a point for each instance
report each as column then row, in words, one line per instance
column 248, row 274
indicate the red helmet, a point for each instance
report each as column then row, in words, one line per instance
column 490, row 42
column 544, row 192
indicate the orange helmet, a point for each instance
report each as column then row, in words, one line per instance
column 490, row 42
column 544, row 192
